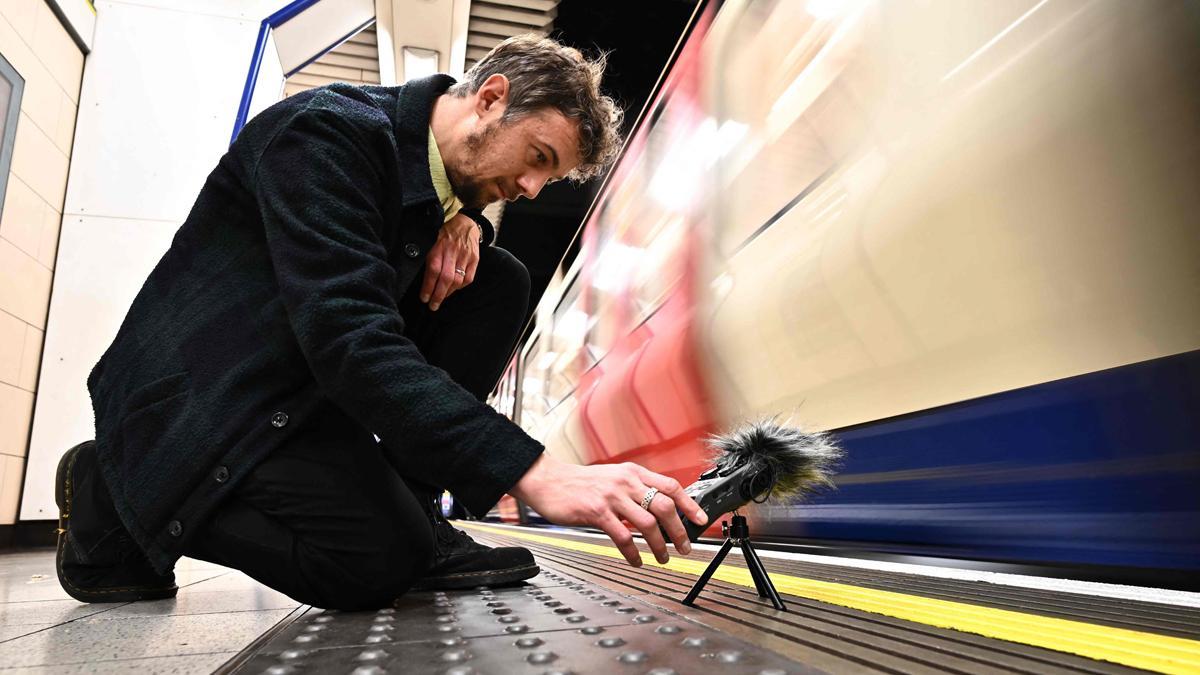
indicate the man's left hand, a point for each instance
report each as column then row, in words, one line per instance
column 451, row 262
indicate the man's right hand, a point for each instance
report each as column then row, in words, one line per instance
column 601, row 495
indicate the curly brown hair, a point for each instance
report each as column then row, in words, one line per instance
column 543, row 73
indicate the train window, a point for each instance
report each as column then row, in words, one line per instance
column 642, row 233
column 567, row 345
column 610, row 264
column 786, row 82
column 534, row 370
column 674, row 182
column 503, row 399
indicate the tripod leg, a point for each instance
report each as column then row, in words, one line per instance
column 754, row 560
column 755, row 574
column 712, row 567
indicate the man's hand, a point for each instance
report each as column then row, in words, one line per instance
column 451, row 262
column 602, row 494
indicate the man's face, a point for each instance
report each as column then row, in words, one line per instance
column 508, row 159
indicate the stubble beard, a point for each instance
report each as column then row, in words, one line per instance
column 469, row 190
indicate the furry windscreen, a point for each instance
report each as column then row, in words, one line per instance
column 798, row 462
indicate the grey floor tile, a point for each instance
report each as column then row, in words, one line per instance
column 23, row 565
column 193, row 577
column 227, row 581
column 189, row 571
column 218, row 612
column 207, row 602
column 162, row 665
column 29, row 576
column 93, row 639
column 31, row 588
column 13, row 632
column 47, row 611
column 17, row 558
column 191, row 562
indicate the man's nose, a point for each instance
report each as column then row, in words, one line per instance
column 530, row 185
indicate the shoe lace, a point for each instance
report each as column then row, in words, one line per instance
column 443, row 530
column 449, row 534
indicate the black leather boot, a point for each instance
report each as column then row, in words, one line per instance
column 461, row 562
column 97, row 560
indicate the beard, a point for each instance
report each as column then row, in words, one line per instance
column 470, row 191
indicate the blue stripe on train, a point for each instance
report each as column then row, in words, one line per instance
column 1098, row 469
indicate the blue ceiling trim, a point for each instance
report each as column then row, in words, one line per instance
column 287, row 13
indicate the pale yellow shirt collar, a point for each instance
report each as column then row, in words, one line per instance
column 441, row 181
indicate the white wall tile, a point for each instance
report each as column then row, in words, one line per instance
column 23, row 216
column 55, row 48
column 31, row 358
column 48, row 246
column 64, row 134
column 108, row 260
column 20, row 14
column 253, row 10
column 145, row 66
column 39, row 162
column 15, row 47
column 42, row 99
column 12, row 346
column 24, row 285
column 12, row 470
column 16, row 413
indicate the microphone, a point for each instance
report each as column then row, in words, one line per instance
column 758, row 461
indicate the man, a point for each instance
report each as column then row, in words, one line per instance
column 285, row 330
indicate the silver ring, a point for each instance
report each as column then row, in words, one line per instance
column 459, row 270
column 649, row 498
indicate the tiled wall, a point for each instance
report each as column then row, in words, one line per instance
column 39, row 48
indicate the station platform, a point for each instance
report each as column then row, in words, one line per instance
column 590, row 612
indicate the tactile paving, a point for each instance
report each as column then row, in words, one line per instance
column 552, row 624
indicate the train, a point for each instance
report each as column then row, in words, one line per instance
column 960, row 237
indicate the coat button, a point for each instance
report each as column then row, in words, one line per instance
column 175, row 528
column 279, row 420
column 221, row 474
column 430, row 210
column 412, row 250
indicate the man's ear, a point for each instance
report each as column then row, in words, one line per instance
column 492, row 96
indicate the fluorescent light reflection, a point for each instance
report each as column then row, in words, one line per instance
column 988, row 45
column 615, row 266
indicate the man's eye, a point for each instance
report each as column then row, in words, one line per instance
column 541, row 157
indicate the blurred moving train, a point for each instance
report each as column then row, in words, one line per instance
column 962, row 236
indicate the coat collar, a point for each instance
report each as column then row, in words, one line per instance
column 414, row 108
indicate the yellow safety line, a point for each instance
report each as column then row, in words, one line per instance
column 1148, row 651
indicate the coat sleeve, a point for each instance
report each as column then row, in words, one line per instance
column 485, row 225
column 319, row 185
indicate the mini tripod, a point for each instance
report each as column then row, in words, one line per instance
column 738, row 532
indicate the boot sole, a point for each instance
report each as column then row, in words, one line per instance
column 62, row 497
column 475, row 579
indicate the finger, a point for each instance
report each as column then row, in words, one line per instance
column 671, row 488
column 621, row 537
column 433, row 268
column 470, row 269
column 446, row 281
column 664, row 510
column 459, row 279
column 647, row 524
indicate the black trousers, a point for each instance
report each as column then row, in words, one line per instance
column 326, row 519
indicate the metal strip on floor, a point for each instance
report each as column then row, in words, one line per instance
column 552, row 624
column 590, row 612
column 895, row 622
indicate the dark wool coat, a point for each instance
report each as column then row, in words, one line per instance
column 279, row 291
